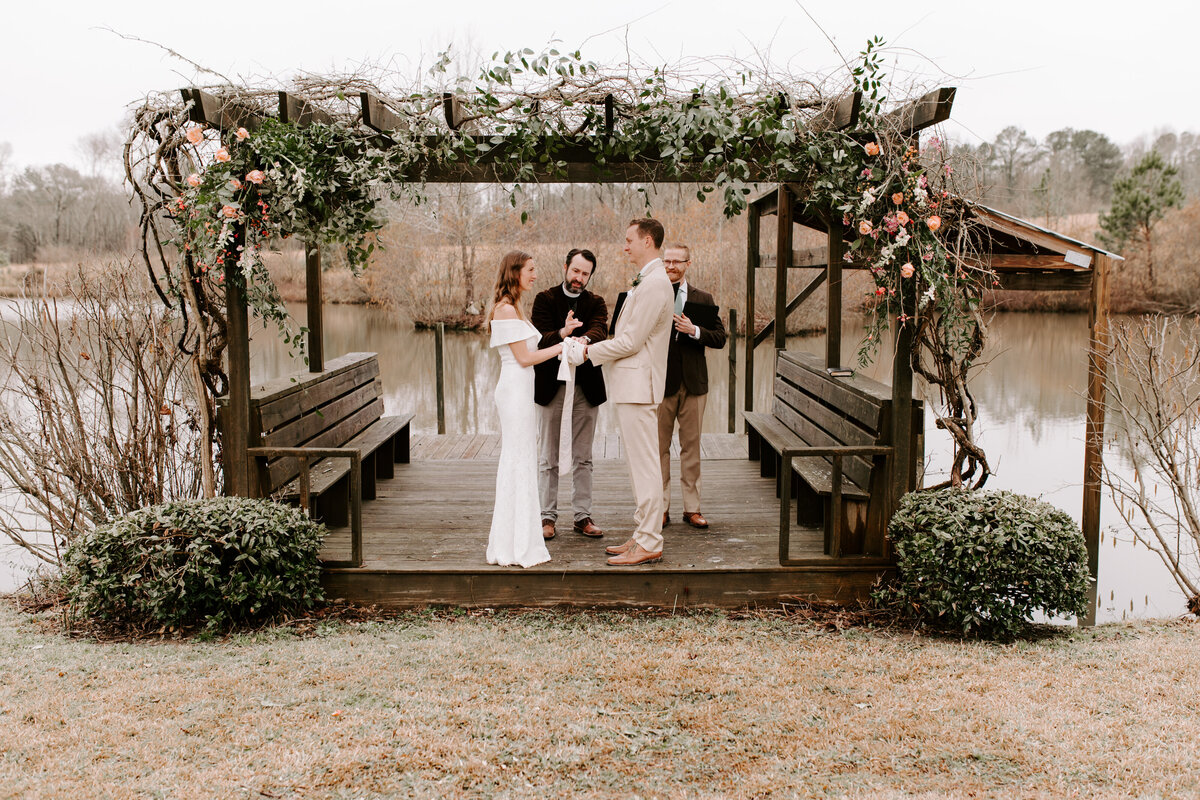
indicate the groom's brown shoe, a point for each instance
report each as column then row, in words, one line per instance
column 618, row 549
column 636, row 555
column 547, row 529
column 588, row 528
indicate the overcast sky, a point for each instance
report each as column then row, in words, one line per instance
column 1124, row 69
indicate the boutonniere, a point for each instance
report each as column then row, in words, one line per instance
column 636, row 280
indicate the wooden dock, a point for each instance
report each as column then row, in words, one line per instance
column 425, row 536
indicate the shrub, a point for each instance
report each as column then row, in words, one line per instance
column 212, row 563
column 982, row 562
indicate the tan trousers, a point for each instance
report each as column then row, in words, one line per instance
column 688, row 410
column 639, row 436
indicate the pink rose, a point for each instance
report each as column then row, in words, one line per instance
column 195, row 135
column 242, row 134
column 255, row 176
column 906, row 271
column 879, row 292
column 864, row 227
column 866, row 173
column 902, row 218
column 222, row 155
column 230, row 212
column 235, row 184
column 193, row 180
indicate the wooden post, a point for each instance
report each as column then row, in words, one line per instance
column 752, row 258
column 902, row 402
column 237, row 463
column 439, row 338
column 732, row 370
column 833, row 325
column 1093, row 444
column 783, row 260
column 316, row 340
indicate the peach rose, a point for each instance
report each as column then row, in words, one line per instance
column 902, row 218
column 255, row 176
column 222, row 155
column 906, row 271
column 872, row 149
column 195, row 135
column 193, row 180
column 898, row 198
column 864, row 227
column 235, row 184
column 229, row 211
column 934, row 222
column 242, row 134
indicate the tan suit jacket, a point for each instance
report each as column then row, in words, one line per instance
column 635, row 358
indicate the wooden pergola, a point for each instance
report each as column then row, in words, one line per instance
column 1025, row 257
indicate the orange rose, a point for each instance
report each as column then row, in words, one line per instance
column 872, row 149
column 230, row 211
column 255, row 176
column 934, row 222
column 195, row 135
column 242, row 134
column 902, row 218
column 898, row 198
column 222, row 155
column 906, row 271
column 193, row 180
column 864, row 227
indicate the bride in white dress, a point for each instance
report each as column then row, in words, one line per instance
column 516, row 534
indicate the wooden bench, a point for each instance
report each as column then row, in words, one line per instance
column 324, row 441
column 833, row 435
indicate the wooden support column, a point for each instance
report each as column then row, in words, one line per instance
column 903, row 469
column 833, row 310
column 783, row 260
column 316, row 340
column 752, row 259
column 237, row 430
column 1093, row 453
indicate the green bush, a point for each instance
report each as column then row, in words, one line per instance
column 210, row 563
column 981, row 563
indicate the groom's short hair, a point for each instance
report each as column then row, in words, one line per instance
column 648, row 226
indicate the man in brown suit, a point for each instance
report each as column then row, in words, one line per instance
column 568, row 309
column 635, row 361
column 686, row 386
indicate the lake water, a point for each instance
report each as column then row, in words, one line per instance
column 1031, row 395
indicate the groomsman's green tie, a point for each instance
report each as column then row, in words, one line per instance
column 678, row 300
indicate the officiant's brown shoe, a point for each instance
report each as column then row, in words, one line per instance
column 618, row 549
column 547, row 529
column 694, row 519
column 588, row 528
column 634, row 556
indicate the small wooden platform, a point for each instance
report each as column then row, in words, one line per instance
column 425, row 538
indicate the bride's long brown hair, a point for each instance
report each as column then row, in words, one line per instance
column 508, row 282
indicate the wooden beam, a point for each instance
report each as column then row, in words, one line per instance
column 833, row 331
column 1042, row 261
column 811, row 258
column 1035, row 236
column 377, row 116
column 766, row 202
column 753, row 219
column 783, row 255
column 301, row 112
column 931, row 109
column 315, row 307
column 610, row 114
column 792, row 305
column 838, row 116
column 225, row 115
column 903, row 468
column 1093, row 441
column 1049, row 281
column 240, row 479
column 452, row 107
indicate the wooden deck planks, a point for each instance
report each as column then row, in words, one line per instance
column 431, row 447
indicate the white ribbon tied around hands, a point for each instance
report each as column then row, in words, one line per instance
column 570, row 357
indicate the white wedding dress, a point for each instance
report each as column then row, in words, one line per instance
column 516, row 535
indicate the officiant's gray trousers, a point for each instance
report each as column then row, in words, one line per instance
column 583, row 431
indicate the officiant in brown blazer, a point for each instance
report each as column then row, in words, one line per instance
column 569, row 309
column 686, row 388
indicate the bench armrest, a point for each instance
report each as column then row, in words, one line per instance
column 304, row 454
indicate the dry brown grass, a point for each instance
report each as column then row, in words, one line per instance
column 554, row 704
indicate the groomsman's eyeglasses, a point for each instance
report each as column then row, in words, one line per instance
column 673, row 262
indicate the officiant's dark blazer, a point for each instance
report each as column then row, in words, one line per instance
column 686, row 362
column 549, row 313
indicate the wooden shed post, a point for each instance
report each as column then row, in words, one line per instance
column 783, row 260
column 752, row 259
column 902, row 403
column 1093, row 453
column 833, row 324
column 316, row 339
column 237, row 431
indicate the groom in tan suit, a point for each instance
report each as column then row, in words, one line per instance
column 635, row 361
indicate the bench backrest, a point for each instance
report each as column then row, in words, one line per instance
column 319, row 409
column 827, row 411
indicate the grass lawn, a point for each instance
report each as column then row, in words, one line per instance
column 546, row 704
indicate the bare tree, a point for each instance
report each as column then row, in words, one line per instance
column 1155, row 394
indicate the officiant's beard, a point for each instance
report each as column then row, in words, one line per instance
column 575, row 286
